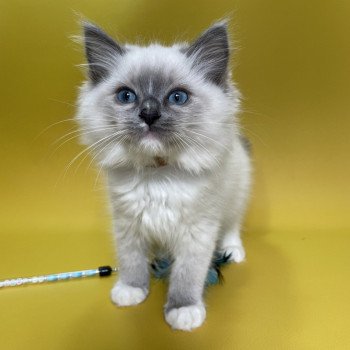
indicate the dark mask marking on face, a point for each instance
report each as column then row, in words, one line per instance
column 152, row 83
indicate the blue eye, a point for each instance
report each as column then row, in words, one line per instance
column 126, row 96
column 178, row 97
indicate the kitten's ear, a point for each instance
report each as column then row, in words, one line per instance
column 211, row 51
column 101, row 52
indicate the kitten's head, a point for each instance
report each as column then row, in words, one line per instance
column 156, row 105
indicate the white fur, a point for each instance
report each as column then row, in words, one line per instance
column 186, row 318
column 231, row 244
column 124, row 295
column 161, row 203
column 190, row 206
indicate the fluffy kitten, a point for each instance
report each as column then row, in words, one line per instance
column 162, row 123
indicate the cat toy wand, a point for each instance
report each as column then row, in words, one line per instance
column 101, row 271
column 159, row 267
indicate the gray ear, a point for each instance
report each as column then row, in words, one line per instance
column 211, row 51
column 101, row 52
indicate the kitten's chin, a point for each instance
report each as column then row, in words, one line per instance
column 150, row 144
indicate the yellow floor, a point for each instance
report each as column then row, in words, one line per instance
column 291, row 293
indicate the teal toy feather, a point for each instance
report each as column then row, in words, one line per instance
column 161, row 268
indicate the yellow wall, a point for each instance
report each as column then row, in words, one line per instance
column 292, row 64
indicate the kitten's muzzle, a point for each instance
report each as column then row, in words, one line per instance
column 150, row 110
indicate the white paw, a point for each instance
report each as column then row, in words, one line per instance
column 124, row 295
column 236, row 252
column 186, row 318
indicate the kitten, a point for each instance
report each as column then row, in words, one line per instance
column 162, row 123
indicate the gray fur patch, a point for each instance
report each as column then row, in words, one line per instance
column 101, row 51
column 156, row 84
column 211, row 53
column 177, row 301
column 136, row 275
column 152, row 83
column 187, row 279
column 246, row 144
column 142, row 282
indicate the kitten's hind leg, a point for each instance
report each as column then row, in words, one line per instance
column 231, row 244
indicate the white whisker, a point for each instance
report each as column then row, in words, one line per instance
column 211, row 139
column 88, row 149
column 101, row 166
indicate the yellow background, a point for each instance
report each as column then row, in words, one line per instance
column 292, row 64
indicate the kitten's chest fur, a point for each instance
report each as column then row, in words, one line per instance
column 158, row 203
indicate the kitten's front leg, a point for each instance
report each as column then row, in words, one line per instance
column 133, row 284
column 185, row 309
